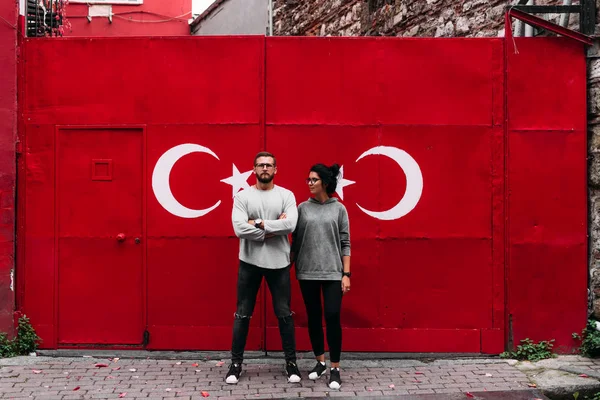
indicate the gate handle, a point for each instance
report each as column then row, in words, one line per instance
column 121, row 237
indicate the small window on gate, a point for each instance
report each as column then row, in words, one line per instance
column 101, row 170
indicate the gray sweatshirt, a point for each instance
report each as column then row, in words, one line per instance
column 268, row 205
column 321, row 239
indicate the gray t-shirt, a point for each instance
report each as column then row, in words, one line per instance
column 321, row 239
column 268, row 205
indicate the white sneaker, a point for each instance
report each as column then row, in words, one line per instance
column 292, row 372
column 335, row 382
column 317, row 371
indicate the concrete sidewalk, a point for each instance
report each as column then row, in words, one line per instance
column 159, row 375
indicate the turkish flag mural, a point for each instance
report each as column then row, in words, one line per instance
column 139, row 188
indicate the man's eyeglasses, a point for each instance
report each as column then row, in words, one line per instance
column 312, row 181
column 264, row 165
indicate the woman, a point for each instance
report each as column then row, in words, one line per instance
column 321, row 251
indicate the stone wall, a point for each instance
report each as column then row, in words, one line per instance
column 447, row 18
column 594, row 173
column 424, row 18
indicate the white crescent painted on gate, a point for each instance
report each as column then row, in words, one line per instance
column 162, row 186
column 414, row 183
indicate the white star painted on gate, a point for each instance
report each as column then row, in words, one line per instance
column 238, row 180
column 342, row 183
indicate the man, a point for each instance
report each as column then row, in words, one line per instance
column 263, row 216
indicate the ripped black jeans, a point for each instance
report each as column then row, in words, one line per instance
column 249, row 280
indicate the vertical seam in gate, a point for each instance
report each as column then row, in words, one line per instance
column 263, row 126
column 56, row 238
column 144, row 234
column 507, row 326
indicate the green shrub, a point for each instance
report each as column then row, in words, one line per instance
column 25, row 342
column 590, row 340
column 528, row 350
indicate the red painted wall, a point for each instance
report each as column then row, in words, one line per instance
column 499, row 227
column 152, row 18
column 8, row 129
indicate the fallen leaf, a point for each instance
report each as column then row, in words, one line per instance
column 122, row 395
column 66, row 373
column 36, row 371
column 583, row 376
column 418, row 373
column 110, row 377
column 178, row 363
column 220, row 363
column 76, row 388
column 469, row 395
column 101, row 366
column 194, row 364
column 488, row 375
column 370, row 389
column 132, row 369
column 135, row 377
column 198, row 370
column 205, row 394
column 116, row 359
column 417, row 381
column 392, row 386
column 167, row 389
column 116, row 369
column 532, row 385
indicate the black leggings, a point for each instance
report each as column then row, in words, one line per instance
column 332, row 296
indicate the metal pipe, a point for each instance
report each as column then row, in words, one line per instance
column 270, row 22
column 529, row 28
column 519, row 26
column 564, row 18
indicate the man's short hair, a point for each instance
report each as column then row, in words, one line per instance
column 265, row 154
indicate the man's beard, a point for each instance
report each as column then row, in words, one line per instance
column 265, row 179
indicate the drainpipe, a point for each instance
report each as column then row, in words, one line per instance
column 519, row 25
column 564, row 18
column 270, row 19
column 529, row 28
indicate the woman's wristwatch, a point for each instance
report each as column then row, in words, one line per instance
column 348, row 274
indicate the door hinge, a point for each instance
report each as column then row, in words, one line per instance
column 146, row 339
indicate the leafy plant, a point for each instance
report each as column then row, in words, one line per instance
column 590, row 341
column 531, row 351
column 595, row 396
column 25, row 342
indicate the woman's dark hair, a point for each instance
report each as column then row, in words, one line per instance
column 328, row 176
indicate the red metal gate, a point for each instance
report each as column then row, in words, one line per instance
column 434, row 177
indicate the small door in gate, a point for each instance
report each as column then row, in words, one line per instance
column 99, row 206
